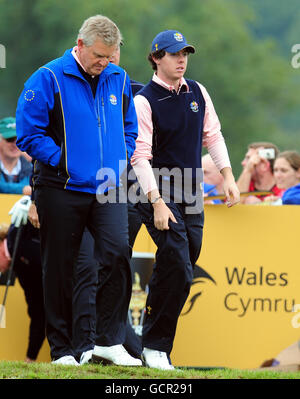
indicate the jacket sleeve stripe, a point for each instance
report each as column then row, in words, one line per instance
column 63, row 115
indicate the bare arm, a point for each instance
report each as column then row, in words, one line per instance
column 230, row 187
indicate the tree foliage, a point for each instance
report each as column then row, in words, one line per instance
column 245, row 69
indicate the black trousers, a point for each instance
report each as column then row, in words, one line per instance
column 63, row 216
column 86, row 281
column 177, row 252
column 84, row 296
column 28, row 269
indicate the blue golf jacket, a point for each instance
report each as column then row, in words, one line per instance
column 77, row 140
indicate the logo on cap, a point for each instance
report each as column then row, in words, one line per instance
column 11, row 126
column 194, row 106
column 178, row 36
column 113, row 99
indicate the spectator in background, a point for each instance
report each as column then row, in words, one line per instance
column 15, row 170
column 257, row 174
column 287, row 176
column 212, row 178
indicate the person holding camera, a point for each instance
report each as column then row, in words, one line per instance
column 257, row 174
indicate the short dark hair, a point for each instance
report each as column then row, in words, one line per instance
column 156, row 54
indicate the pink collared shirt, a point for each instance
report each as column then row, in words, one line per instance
column 213, row 139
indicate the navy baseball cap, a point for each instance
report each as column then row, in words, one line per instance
column 171, row 41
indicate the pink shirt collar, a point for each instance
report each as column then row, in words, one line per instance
column 157, row 80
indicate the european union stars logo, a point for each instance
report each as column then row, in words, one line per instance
column 29, row 95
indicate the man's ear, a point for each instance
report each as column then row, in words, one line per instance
column 156, row 60
column 298, row 173
column 80, row 44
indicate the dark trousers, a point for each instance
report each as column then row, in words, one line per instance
column 28, row 269
column 86, row 281
column 63, row 215
column 177, row 252
column 84, row 296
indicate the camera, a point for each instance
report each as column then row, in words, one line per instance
column 267, row 153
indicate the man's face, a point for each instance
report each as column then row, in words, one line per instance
column 172, row 66
column 94, row 58
column 8, row 148
column 251, row 152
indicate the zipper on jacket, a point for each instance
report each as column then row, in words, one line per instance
column 97, row 110
column 103, row 115
column 95, row 102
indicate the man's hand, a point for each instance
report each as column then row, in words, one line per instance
column 253, row 161
column 33, row 216
column 162, row 214
column 230, row 188
column 19, row 212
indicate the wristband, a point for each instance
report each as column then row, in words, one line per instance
column 155, row 200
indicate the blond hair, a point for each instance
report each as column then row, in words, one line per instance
column 102, row 28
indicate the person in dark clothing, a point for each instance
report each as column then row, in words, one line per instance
column 86, row 278
column 70, row 120
column 175, row 117
column 28, row 270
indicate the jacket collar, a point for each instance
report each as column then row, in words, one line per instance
column 70, row 67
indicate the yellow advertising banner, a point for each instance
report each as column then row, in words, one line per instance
column 246, row 285
column 240, row 309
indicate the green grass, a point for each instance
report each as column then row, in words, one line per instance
column 22, row 370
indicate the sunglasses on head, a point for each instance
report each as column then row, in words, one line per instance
column 11, row 139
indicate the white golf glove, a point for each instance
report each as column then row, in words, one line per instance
column 19, row 212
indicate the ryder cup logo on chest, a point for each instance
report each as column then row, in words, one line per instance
column 178, row 36
column 194, row 106
column 113, row 99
